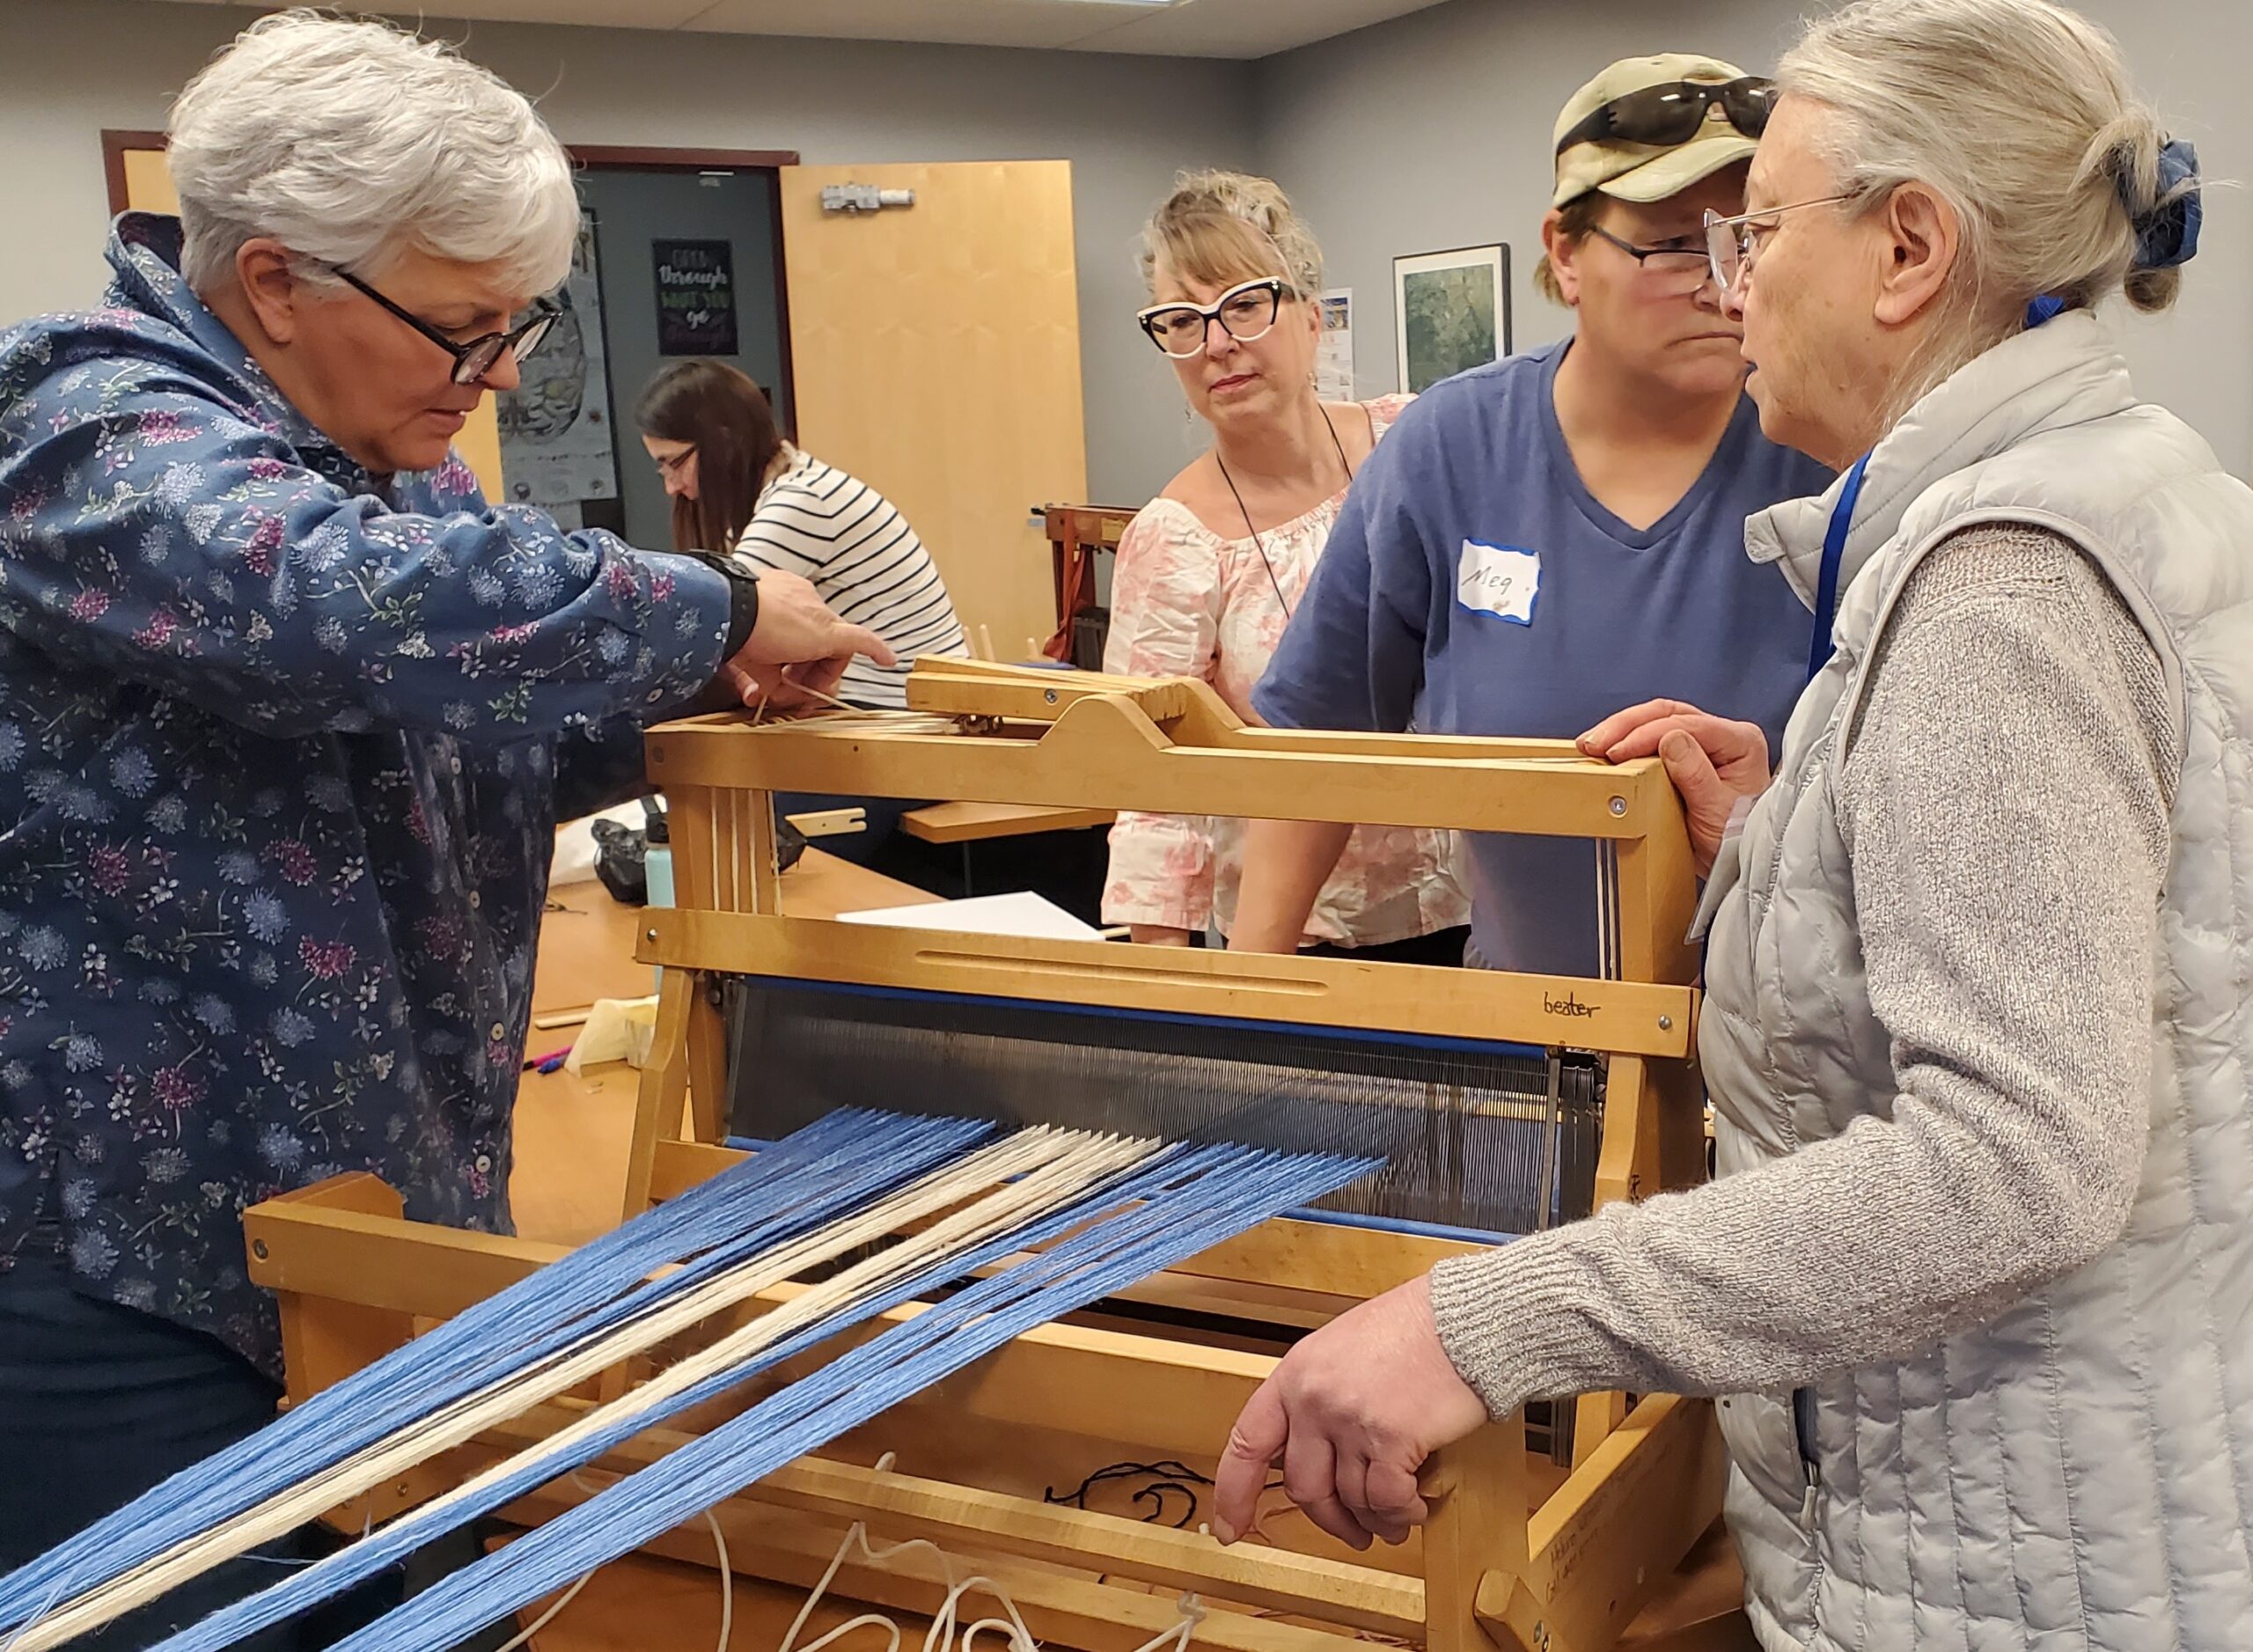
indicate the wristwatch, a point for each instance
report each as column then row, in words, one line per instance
column 742, row 575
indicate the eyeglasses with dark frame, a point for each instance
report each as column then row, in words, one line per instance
column 476, row 359
column 669, row 465
column 1733, row 243
column 1245, row 312
column 1687, row 264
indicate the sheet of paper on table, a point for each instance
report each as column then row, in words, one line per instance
column 1025, row 914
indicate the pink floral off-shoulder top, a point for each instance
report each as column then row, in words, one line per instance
column 1187, row 602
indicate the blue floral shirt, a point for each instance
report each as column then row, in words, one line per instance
column 283, row 748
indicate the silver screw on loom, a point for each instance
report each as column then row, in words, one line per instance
column 258, row 1249
column 1666, row 1024
column 648, row 935
column 1619, row 806
column 1049, row 695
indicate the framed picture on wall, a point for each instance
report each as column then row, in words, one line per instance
column 1450, row 312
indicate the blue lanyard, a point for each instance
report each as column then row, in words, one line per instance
column 1834, row 551
column 1842, row 517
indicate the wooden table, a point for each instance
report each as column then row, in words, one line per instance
column 967, row 825
column 1077, row 534
column 975, row 822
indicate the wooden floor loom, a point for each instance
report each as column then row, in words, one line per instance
column 1529, row 1555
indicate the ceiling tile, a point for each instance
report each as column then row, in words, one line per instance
column 1190, row 28
column 1022, row 23
column 1242, row 28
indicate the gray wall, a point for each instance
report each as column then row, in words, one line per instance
column 1433, row 130
column 1429, row 131
column 68, row 68
column 632, row 209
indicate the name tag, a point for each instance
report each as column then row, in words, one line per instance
column 1499, row 579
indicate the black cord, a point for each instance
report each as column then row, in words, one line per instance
column 1164, row 1477
column 1259, row 543
column 1169, row 1476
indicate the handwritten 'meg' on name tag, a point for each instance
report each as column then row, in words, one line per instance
column 1499, row 579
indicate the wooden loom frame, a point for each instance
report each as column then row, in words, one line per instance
column 1564, row 1576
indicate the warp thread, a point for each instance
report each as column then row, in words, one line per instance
column 1133, row 1222
column 805, row 1181
column 1197, row 1198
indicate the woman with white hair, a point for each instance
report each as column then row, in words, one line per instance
column 288, row 716
column 1979, row 1278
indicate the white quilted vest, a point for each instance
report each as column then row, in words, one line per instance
column 2078, row 1474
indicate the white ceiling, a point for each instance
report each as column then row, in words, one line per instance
column 1185, row 28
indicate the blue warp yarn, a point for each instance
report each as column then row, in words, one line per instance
column 832, row 1166
column 1169, row 1211
column 1210, row 1194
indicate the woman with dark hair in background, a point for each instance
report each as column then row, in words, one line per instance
column 740, row 487
column 743, row 493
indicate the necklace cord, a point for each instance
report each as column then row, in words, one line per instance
column 1259, row 543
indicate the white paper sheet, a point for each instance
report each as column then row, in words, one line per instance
column 1032, row 916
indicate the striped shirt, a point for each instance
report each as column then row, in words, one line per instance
column 867, row 563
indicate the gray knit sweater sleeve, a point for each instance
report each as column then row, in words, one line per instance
column 2005, row 800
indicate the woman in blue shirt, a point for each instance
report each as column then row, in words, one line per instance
column 1544, row 540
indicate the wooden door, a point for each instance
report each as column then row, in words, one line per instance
column 935, row 351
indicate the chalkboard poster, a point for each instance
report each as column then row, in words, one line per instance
column 696, row 297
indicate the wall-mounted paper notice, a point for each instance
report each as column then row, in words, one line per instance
column 1333, row 347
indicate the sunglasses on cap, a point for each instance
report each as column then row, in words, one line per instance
column 1668, row 114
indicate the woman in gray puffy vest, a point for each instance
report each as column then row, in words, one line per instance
column 1975, row 1285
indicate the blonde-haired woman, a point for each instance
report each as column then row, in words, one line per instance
column 1210, row 572
column 1979, row 1279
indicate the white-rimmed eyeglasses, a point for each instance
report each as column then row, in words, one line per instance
column 1245, row 312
